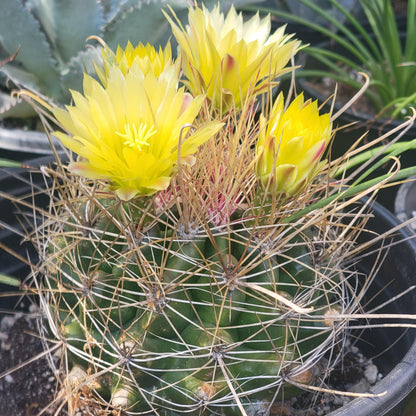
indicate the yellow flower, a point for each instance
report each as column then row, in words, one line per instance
column 290, row 145
column 144, row 56
column 127, row 132
column 226, row 58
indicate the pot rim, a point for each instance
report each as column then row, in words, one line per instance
column 28, row 141
column 400, row 201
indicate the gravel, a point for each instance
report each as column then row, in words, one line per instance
column 25, row 391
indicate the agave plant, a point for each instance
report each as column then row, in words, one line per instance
column 50, row 37
column 191, row 261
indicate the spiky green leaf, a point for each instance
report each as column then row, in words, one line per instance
column 69, row 23
column 72, row 76
column 225, row 5
column 21, row 77
column 20, row 28
column 109, row 8
column 11, row 107
column 143, row 23
column 116, row 8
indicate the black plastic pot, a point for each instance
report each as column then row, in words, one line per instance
column 394, row 349
column 405, row 203
column 18, row 182
column 25, row 142
column 364, row 123
column 396, row 360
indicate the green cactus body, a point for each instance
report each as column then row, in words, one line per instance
column 181, row 320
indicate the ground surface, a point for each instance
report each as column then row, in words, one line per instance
column 28, row 390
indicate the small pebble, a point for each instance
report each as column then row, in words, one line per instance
column 361, row 387
column 7, row 322
column 6, row 346
column 33, row 308
column 9, row 378
column 371, row 373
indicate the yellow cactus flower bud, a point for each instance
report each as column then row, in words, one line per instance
column 128, row 131
column 227, row 58
column 144, row 56
column 290, row 145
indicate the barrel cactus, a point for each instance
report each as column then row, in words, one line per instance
column 184, row 269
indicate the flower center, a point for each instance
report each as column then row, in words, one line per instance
column 137, row 137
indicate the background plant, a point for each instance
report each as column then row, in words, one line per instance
column 379, row 49
column 51, row 38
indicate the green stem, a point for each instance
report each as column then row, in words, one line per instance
column 5, row 163
column 8, row 280
column 349, row 192
column 392, row 150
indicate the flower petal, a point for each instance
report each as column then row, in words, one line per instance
column 291, row 144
